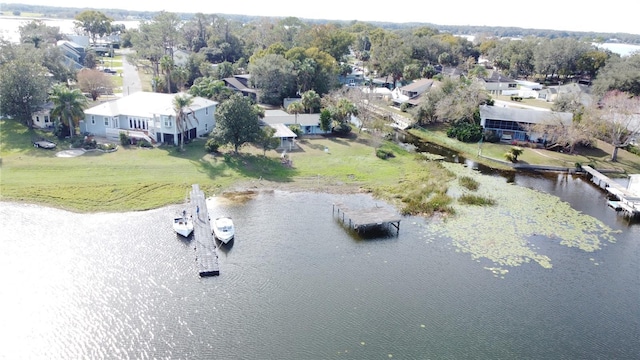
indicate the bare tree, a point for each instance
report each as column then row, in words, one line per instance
column 617, row 119
column 567, row 134
column 94, row 82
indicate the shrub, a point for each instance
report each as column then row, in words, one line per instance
column 211, row 146
column 465, row 132
column 107, row 147
column 383, row 154
column 342, row 129
column 77, row 142
column 296, row 129
column 469, row 183
column 633, row 149
column 124, row 139
column 144, row 143
column 470, row 199
column 513, row 154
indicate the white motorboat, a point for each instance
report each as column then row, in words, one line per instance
column 183, row 225
column 223, row 229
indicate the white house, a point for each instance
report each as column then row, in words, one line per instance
column 150, row 116
column 42, row 118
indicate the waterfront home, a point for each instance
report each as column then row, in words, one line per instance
column 149, row 116
column 513, row 123
column 411, row 93
column 309, row 123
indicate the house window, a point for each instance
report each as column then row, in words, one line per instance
column 93, row 120
column 206, row 127
column 37, row 118
column 46, row 118
column 206, row 111
column 106, row 121
column 167, row 122
column 130, row 123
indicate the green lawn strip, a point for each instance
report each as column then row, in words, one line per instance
column 598, row 157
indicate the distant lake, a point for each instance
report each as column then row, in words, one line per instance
column 9, row 26
column 619, row 48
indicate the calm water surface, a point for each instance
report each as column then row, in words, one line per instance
column 296, row 285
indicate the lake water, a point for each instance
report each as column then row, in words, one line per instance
column 297, row 285
column 9, row 26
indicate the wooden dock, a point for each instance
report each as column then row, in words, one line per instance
column 206, row 250
column 361, row 219
column 628, row 199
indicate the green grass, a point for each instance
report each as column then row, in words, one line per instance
column 598, row 157
column 139, row 179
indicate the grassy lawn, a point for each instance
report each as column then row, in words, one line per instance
column 598, row 157
column 138, row 179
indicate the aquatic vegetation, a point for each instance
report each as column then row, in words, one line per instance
column 503, row 233
column 470, row 199
column 469, row 183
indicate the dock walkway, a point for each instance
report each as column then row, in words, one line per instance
column 628, row 197
column 362, row 219
column 206, row 251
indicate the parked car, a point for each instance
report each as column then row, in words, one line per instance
column 109, row 71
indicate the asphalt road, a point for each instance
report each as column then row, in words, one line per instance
column 130, row 78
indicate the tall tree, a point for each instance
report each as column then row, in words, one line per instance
column 69, row 104
column 274, row 77
column 617, row 117
column 94, row 23
column 184, row 115
column 23, row 82
column 237, row 122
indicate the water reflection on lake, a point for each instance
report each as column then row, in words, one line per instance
column 297, row 285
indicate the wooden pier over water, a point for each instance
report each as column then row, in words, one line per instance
column 206, row 250
column 628, row 199
column 361, row 219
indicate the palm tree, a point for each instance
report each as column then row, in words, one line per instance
column 184, row 114
column 166, row 65
column 310, row 100
column 295, row 108
column 68, row 104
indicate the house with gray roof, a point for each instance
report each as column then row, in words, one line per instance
column 309, row 123
column 150, row 116
column 513, row 123
column 497, row 83
column 240, row 83
column 411, row 92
